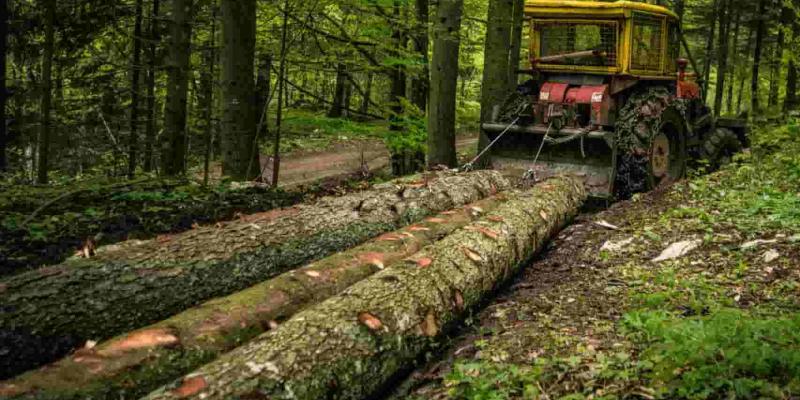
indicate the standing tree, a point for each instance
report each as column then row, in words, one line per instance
column 710, row 47
column 150, row 133
column 517, row 21
column 46, row 95
column 495, row 61
column 791, row 101
column 133, row 140
column 398, row 72
column 444, row 84
column 760, row 33
column 239, row 146
column 3, row 90
column 722, row 54
column 777, row 55
column 421, row 83
column 173, row 145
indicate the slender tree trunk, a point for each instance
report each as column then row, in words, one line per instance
column 444, row 84
column 760, row 33
column 777, row 56
column 748, row 51
column 680, row 9
column 3, row 91
column 791, row 101
column 495, row 59
column 133, row 139
column 208, row 95
column 348, row 96
column 174, row 141
column 240, row 153
column 710, row 48
column 276, row 147
column 421, row 83
column 733, row 56
column 339, row 92
column 722, row 54
column 47, row 92
column 367, row 94
column 398, row 75
column 517, row 21
column 150, row 133
column 264, row 92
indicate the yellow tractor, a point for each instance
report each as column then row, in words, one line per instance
column 610, row 100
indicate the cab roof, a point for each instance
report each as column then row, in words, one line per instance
column 574, row 8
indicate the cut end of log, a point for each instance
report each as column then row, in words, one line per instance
column 159, row 337
column 190, row 387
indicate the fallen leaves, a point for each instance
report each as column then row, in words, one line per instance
column 495, row 218
column 544, row 215
column 436, row 220
column 376, row 259
column 370, row 321
column 313, row 274
column 190, row 387
column 418, row 229
column 677, row 250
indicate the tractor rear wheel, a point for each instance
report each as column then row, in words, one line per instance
column 650, row 142
column 720, row 147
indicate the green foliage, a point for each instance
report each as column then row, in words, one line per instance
column 730, row 354
column 411, row 134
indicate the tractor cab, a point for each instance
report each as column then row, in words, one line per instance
column 609, row 98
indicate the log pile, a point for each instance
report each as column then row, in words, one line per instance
column 119, row 367
column 351, row 345
column 49, row 312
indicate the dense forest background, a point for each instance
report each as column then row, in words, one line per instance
column 125, row 88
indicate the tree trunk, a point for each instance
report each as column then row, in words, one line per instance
column 3, row 91
column 207, row 81
column 150, row 133
column 444, row 84
column 174, row 141
column 517, row 21
column 136, row 67
column 495, row 63
column 263, row 94
column 680, row 9
column 420, row 86
column 743, row 78
column 202, row 336
column 353, row 345
column 733, row 56
column 760, row 33
column 239, row 146
column 47, row 92
column 276, row 145
column 367, row 95
column 339, row 93
column 710, row 47
column 398, row 72
column 777, row 56
column 791, row 102
column 722, row 54
column 141, row 283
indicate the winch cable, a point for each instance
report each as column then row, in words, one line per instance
column 471, row 165
column 530, row 174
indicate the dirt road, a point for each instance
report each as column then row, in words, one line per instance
column 341, row 159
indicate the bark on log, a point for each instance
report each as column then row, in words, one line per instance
column 353, row 344
column 124, row 367
column 48, row 312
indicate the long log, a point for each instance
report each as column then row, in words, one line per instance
column 49, row 312
column 353, row 344
column 179, row 344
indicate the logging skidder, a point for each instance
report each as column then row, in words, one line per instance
column 133, row 365
column 352, row 345
column 609, row 99
column 51, row 311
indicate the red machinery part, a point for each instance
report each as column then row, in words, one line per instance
column 553, row 92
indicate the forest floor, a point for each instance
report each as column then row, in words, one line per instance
column 599, row 316
column 342, row 158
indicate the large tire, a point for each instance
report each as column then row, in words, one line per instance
column 720, row 147
column 651, row 144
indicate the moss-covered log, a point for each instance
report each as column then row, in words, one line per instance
column 48, row 312
column 351, row 345
column 134, row 364
column 41, row 226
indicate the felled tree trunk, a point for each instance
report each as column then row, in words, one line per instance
column 48, row 312
column 351, row 345
column 177, row 345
